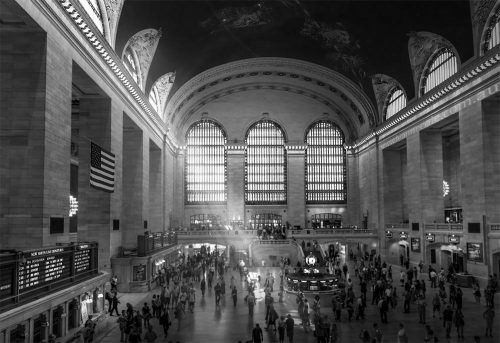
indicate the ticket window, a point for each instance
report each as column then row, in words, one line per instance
column 73, row 314
column 39, row 325
column 18, row 334
column 57, row 321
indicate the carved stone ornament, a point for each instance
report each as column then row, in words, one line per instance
column 144, row 44
column 480, row 10
column 114, row 10
column 421, row 46
column 164, row 84
column 382, row 85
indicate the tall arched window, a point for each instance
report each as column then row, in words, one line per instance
column 492, row 35
column 205, row 164
column 154, row 99
column 265, row 164
column 130, row 65
column 396, row 101
column 325, row 164
column 94, row 12
column 442, row 66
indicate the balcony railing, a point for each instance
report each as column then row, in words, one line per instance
column 444, row 227
column 332, row 232
column 217, row 233
column 495, row 227
column 398, row 226
column 148, row 244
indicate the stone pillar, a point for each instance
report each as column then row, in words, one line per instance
column 425, row 177
column 117, row 196
column 296, row 199
column 424, row 171
column 155, row 189
column 491, row 116
column 169, row 182
column 392, row 187
column 35, row 135
column 236, row 182
column 178, row 189
column 145, row 182
column 133, row 190
column 94, row 204
column 353, row 215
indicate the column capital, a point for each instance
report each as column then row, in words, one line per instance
column 296, row 149
column 236, row 148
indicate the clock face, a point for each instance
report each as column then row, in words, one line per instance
column 310, row 260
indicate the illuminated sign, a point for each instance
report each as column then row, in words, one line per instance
column 73, row 206
column 403, row 235
column 388, row 234
column 453, row 239
column 430, row 237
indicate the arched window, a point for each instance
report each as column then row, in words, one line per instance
column 492, row 35
column 129, row 63
column 154, row 99
column 396, row 101
column 442, row 66
column 94, row 12
column 265, row 164
column 325, row 164
column 205, row 164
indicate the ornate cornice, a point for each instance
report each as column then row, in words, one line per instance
column 144, row 44
column 109, row 57
column 290, row 71
column 473, row 71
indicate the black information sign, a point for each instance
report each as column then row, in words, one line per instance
column 7, row 273
column 415, row 244
column 82, row 259
column 43, row 267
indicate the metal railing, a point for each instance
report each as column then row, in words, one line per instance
column 156, row 241
column 494, row 227
column 397, row 226
column 217, row 233
column 444, row 227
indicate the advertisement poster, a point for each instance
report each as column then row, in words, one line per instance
column 415, row 244
column 475, row 252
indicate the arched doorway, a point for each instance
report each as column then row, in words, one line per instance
column 397, row 248
column 452, row 255
column 495, row 267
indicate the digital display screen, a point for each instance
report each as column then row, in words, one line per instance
column 82, row 259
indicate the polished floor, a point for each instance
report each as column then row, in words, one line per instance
column 227, row 323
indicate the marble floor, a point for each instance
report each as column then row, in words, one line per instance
column 227, row 323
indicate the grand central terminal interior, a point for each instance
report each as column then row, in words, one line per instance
column 249, row 171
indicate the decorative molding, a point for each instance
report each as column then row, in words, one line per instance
column 110, row 58
column 348, row 121
column 480, row 11
column 473, row 71
column 421, row 46
column 164, row 84
column 144, row 44
column 485, row 33
column 290, row 70
column 114, row 10
column 382, row 85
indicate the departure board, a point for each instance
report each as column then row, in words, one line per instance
column 44, row 267
column 82, row 259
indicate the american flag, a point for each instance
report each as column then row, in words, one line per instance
column 102, row 168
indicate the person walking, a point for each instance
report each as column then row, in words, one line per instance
column 421, row 306
column 377, row 335
column 146, row 315
column 459, row 322
column 257, row 336
column 447, row 319
column 305, row 314
column 364, row 336
column 402, row 337
column 281, row 329
column 203, row 285
column 234, row 295
column 251, row 303
column 488, row 316
column 165, row 321
column 290, row 323
column 334, row 335
column 122, row 323
column 436, row 306
column 114, row 304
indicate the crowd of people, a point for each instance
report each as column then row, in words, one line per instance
column 368, row 282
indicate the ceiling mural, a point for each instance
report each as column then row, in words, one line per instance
column 355, row 38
